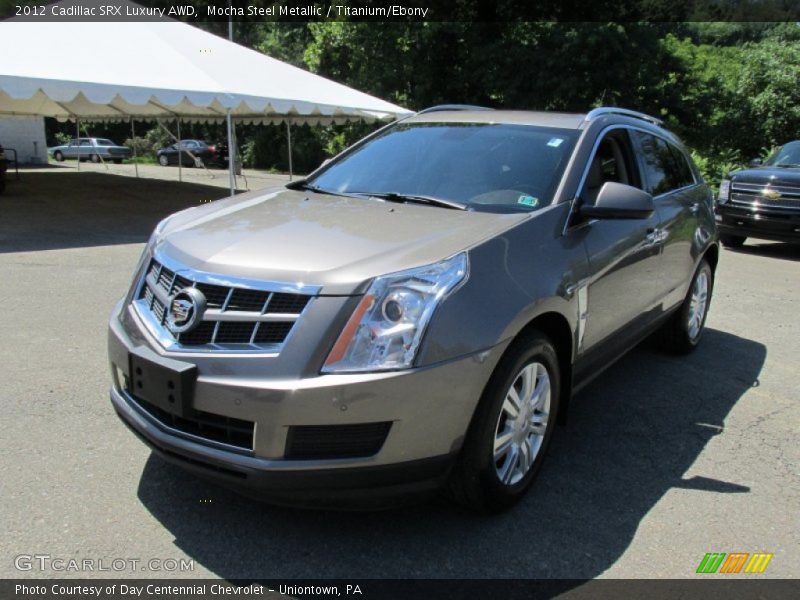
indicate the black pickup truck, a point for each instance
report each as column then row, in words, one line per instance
column 762, row 201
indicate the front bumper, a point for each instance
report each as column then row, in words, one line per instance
column 764, row 223
column 429, row 409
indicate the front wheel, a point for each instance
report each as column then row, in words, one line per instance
column 95, row 158
column 163, row 160
column 511, row 429
column 59, row 156
column 682, row 333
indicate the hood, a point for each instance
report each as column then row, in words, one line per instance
column 315, row 239
column 789, row 176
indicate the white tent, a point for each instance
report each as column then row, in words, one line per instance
column 163, row 69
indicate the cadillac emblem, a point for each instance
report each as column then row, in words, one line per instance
column 185, row 310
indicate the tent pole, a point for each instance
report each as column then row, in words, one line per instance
column 231, row 151
column 180, row 152
column 231, row 156
column 78, row 140
column 289, row 138
column 133, row 143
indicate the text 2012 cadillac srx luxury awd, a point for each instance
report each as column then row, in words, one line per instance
column 417, row 313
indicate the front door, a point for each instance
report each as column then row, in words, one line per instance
column 623, row 254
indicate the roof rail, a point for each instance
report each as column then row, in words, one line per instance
column 613, row 110
column 443, row 107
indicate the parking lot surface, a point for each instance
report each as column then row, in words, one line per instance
column 664, row 458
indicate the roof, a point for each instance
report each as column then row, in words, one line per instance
column 95, row 71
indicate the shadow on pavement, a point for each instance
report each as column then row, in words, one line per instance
column 631, row 437
column 70, row 209
column 781, row 250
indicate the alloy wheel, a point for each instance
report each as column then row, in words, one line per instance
column 522, row 423
column 698, row 303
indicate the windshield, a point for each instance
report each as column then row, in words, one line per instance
column 787, row 155
column 486, row 166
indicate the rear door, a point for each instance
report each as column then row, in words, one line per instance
column 85, row 148
column 672, row 183
column 71, row 151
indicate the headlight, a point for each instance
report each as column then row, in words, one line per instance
column 386, row 328
column 724, row 191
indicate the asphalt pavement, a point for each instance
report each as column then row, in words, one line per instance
column 664, row 458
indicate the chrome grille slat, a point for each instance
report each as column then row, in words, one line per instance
column 237, row 319
column 754, row 200
column 757, row 189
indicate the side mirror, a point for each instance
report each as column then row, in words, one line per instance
column 619, row 201
column 756, row 162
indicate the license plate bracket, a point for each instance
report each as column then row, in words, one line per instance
column 165, row 383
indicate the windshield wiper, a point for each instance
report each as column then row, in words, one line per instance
column 302, row 184
column 417, row 198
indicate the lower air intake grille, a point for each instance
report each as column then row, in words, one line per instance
column 336, row 441
column 225, row 430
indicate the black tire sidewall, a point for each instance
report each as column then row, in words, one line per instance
column 692, row 343
column 535, row 348
column 59, row 157
column 732, row 241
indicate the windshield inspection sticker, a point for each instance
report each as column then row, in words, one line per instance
column 555, row 142
column 528, row 201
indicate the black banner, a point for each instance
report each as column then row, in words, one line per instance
column 713, row 588
column 403, row 10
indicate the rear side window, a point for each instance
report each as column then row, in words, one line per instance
column 665, row 166
column 683, row 172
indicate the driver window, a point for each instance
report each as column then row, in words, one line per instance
column 611, row 162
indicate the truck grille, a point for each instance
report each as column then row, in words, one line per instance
column 753, row 195
column 235, row 319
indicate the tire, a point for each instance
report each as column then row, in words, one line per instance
column 684, row 330
column 732, row 241
column 163, row 160
column 483, row 482
column 58, row 156
column 95, row 158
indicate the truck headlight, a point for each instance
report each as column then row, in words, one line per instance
column 724, row 191
column 386, row 328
